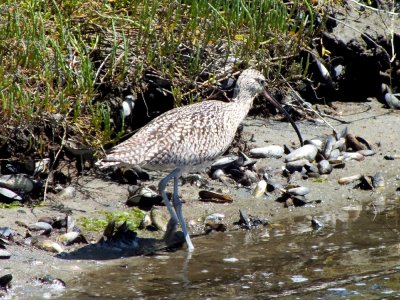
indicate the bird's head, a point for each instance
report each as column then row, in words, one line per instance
column 252, row 80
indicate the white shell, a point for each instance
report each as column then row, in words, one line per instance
column 272, row 151
column 324, row 71
column 69, row 237
column 40, row 226
column 48, row 245
column 299, row 191
column 127, row 107
column 308, row 152
column 316, row 142
column 349, row 179
column 10, row 194
column 260, row 189
column 353, row 156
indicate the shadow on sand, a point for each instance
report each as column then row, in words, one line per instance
column 124, row 242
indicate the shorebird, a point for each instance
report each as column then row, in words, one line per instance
column 190, row 138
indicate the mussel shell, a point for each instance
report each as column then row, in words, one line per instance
column 296, row 165
column 308, row 152
column 7, row 195
column 378, row 181
column 19, row 182
column 272, row 151
column 46, row 244
column 324, row 167
column 224, row 162
column 299, row 191
column 353, row 156
column 349, row 179
column 217, row 197
column 328, row 147
column 260, row 189
column 316, row 142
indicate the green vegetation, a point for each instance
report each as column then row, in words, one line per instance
column 67, row 58
column 319, row 180
column 14, row 204
column 132, row 217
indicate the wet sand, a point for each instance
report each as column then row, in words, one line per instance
column 369, row 120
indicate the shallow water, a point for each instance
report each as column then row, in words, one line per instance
column 355, row 255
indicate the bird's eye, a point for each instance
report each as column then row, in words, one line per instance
column 261, row 80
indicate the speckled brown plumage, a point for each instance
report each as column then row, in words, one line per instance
column 189, row 137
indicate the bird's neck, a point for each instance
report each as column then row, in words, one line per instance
column 243, row 100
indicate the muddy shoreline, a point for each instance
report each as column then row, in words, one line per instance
column 371, row 120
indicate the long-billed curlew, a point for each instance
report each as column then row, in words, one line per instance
column 189, row 138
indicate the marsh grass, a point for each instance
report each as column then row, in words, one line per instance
column 56, row 56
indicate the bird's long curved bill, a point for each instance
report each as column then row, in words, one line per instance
column 282, row 110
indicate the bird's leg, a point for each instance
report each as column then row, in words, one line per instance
column 178, row 209
column 161, row 187
column 176, row 214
